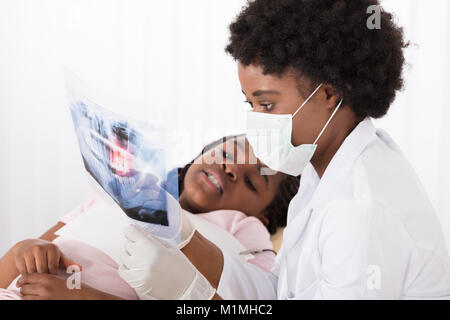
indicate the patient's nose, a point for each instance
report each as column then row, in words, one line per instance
column 230, row 171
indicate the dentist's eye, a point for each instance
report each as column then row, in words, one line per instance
column 268, row 106
column 249, row 184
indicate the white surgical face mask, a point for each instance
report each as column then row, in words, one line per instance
column 270, row 137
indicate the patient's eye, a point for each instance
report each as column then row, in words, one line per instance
column 249, row 184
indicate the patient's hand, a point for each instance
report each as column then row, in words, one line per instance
column 41, row 286
column 41, row 256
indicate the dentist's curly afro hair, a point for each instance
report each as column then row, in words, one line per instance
column 327, row 41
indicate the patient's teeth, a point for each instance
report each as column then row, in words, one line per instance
column 214, row 181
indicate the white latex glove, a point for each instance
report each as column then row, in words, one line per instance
column 156, row 270
column 187, row 229
column 180, row 229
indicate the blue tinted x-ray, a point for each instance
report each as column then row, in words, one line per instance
column 120, row 154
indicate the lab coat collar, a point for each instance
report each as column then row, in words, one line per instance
column 339, row 169
column 315, row 193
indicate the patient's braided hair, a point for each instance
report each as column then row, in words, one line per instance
column 276, row 211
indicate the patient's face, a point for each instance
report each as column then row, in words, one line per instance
column 229, row 177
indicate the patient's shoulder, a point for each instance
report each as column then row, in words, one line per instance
column 250, row 231
column 232, row 220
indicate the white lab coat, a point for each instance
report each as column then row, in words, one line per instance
column 366, row 230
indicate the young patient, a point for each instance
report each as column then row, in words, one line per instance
column 232, row 194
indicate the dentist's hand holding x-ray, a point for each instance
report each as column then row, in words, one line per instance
column 155, row 267
column 159, row 271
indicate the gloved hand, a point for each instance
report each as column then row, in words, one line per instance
column 156, row 270
column 156, row 211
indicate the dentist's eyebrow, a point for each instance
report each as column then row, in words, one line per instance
column 258, row 93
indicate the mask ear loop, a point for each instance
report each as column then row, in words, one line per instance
column 306, row 101
column 332, row 115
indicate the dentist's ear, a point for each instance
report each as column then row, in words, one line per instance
column 331, row 96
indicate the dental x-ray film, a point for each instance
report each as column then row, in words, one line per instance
column 126, row 157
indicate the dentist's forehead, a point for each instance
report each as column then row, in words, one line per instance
column 253, row 80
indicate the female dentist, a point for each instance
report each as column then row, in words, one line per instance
column 361, row 226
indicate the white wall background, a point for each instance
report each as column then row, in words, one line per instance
column 169, row 54
column 419, row 118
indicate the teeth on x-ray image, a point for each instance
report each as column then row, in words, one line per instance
column 120, row 155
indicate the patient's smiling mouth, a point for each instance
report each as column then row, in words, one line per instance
column 213, row 180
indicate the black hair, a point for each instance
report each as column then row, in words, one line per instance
column 276, row 211
column 328, row 41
